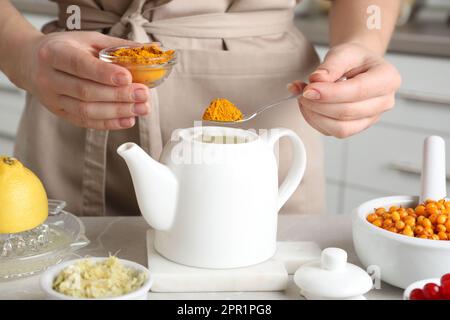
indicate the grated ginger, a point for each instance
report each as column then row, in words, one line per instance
column 89, row 279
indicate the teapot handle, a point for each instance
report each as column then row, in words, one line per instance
column 295, row 173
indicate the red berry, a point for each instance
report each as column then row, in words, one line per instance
column 431, row 291
column 445, row 277
column 416, row 294
column 445, row 290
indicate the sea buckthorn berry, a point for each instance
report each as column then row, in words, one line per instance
column 410, row 221
column 447, row 224
column 431, row 208
column 388, row 223
column 372, row 217
column 433, row 218
column 441, row 219
column 386, row 215
column 420, row 210
column 407, row 231
column 393, row 208
column 442, row 236
column 426, row 223
column 395, row 216
column 418, row 230
column 378, row 222
column 393, row 229
column 428, row 220
column 400, row 225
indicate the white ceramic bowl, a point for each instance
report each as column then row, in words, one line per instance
column 402, row 260
column 48, row 277
column 419, row 284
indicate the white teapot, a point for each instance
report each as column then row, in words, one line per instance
column 213, row 198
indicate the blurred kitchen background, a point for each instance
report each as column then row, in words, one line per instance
column 383, row 160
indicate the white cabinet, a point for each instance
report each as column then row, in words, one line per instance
column 386, row 159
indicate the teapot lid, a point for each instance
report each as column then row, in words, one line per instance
column 332, row 277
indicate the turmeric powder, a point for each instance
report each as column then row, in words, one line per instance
column 222, row 110
column 150, row 54
column 148, row 64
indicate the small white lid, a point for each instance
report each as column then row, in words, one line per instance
column 332, row 277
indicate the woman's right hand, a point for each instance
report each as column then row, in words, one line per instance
column 64, row 72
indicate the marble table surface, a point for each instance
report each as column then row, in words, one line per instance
column 125, row 236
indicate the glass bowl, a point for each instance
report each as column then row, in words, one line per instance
column 151, row 74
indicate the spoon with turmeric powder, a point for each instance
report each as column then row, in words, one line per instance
column 222, row 111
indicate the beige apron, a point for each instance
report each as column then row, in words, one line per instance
column 244, row 50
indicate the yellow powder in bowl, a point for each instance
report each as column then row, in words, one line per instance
column 148, row 55
column 143, row 62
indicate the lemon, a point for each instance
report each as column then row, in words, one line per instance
column 23, row 200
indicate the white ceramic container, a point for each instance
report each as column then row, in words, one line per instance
column 402, row 260
column 214, row 205
column 47, row 278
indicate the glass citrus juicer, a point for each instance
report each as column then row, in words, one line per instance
column 29, row 252
column 149, row 70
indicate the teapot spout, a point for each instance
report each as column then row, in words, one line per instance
column 155, row 185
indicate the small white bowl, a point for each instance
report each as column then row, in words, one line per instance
column 401, row 260
column 419, row 285
column 50, row 274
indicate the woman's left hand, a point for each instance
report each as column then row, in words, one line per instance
column 342, row 109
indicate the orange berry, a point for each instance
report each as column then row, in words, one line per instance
column 431, row 208
column 395, row 216
column 420, row 210
column 435, row 237
column 441, row 228
column 378, row 222
column 380, row 210
column 400, row 225
column 442, row 236
column 408, row 232
column 372, row 217
column 388, row 223
column 428, row 231
column 392, row 229
column 393, row 208
column 410, row 221
column 419, row 230
column 433, row 218
column 426, row 223
column 441, row 219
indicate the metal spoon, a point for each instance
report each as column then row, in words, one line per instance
column 265, row 108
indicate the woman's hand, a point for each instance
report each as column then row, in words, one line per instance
column 63, row 71
column 342, row 109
